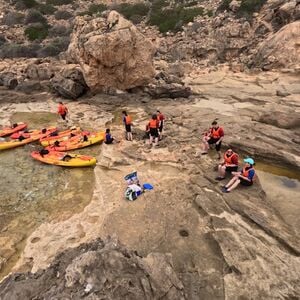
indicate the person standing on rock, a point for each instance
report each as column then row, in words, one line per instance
column 215, row 136
column 153, row 126
column 62, row 111
column 229, row 164
column 161, row 119
column 127, row 122
column 244, row 177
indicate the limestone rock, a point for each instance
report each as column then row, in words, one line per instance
column 112, row 52
column 165, row 90
column 281, row 119
column 280, row 49
column 98, row 270
column 69, row 83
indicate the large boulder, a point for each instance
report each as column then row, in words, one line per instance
column 280, row 50
column 112, row 53
column 98, row 270
column 69, row 82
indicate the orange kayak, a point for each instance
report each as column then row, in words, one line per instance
column 61, row 136
column 77, row 142
column 32, row 133
column 65, row 159
column 9, row 130
column 16, row 143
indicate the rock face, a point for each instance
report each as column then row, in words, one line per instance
column 69, row 83
column 98, row 270
column 112, row 53
column 281, row 49
column 168, row 90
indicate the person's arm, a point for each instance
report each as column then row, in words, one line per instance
column 250, row 176
column 234, row 161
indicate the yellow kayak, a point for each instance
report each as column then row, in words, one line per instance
column 77, row 142
column 64, row 159
column 15, row 143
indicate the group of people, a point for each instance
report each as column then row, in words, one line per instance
column 230, row 163
column 213, row 136
column 154, row 127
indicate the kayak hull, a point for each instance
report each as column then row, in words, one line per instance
column 33, row 133
column 55, row 158
column 8, row 131
column 77, row 143
column 64, row 135
column 32, row 138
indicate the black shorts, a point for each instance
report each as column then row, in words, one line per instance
column 109, row 141
column 213, row 141
column 161, row 127
column 128, row 127
column 245, row 182
column 231, row 169
column 63, row 116
column 154, row 132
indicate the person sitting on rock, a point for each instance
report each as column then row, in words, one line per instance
column 127, row 122
column 244, row 177
column 108, row 138
column 229, row 164
column 153, row 127
column 215, row 136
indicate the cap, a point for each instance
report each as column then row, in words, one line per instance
column 249, row 160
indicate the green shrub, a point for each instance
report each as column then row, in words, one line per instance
column 23, row 4
column 96, row 9
column 46, row 9
column 34, row 16
column 15, row 50
column 13, row 18
column 248, row 7
column 132, row 11
column 63, row 15
column 2, row 40
column 59, row 30
column 59, row 2
column 224, row 5
column 172, row 19
column 36, row 32
column 159, row 4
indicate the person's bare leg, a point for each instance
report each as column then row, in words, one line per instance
column 205, row 147
column 219, row 154
column 129, row 136
column 156, row 141
column 222, row 171
column 151, row 140
column 231, row 182
column 235, row 184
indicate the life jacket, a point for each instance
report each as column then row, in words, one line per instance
column 245, row 173
column 228, row 159
column 62, row 109
column 128, row 120
column 153, row 123
column 161, row 117
column 215, row 132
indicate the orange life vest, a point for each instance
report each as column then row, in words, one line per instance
column 153, row 123
column 215, row 132
column 62, row 109
column 245, row 173
column 228, row 159
column 160, row 117
column 128, row 120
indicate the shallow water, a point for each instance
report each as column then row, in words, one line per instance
column 282, row 187
column 33, row 193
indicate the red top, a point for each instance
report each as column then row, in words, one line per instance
column 161, row 117
column 62, row 109
column 217, row 132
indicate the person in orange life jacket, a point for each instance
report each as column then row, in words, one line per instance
column 153, row 127
column 215, row 136
column 161, row 119
column 62, row 111
column 127, row 122
column 229, row 164
column 244, row 177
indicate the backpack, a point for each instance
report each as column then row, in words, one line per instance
column 130, row 194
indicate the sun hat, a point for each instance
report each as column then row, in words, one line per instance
column 249, row 160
